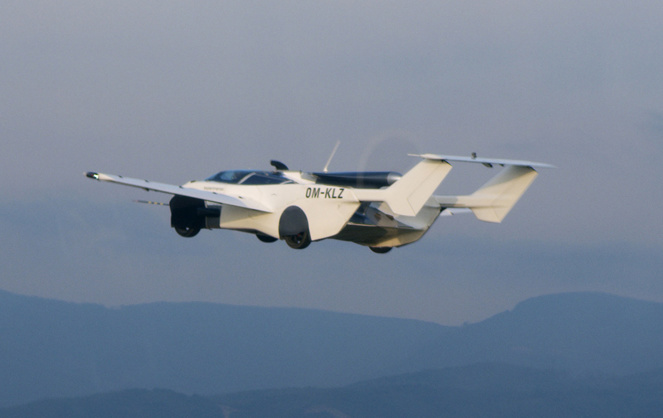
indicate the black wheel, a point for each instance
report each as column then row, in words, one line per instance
column 380, row 250
column 187, row 232
column 184, row 215
column 299, row 241
column 293, row 228
column 266, row 238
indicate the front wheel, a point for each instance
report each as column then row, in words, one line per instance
column 299, row 241
column 187, row 232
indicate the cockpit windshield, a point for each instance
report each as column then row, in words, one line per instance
column 248, row 177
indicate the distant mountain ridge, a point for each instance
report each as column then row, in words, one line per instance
column 495, row 390
column 583, row 332
column 54, row 349
column 59, row 349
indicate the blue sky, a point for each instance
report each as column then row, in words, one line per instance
column 174, row 92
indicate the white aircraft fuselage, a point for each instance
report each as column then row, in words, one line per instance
column 380, row 210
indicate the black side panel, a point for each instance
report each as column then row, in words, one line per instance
column 359, row 180
column 185, row 212
column 293, row 221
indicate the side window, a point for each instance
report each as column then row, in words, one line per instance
column 248, row 177
column 263, row 178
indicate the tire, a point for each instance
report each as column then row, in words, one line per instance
column 380, row 250
column 293, row 228
column 266, row 238
column 184, row 215
column 187, row 232
column 299, row 241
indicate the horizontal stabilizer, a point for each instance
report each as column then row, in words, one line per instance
column 488, row 162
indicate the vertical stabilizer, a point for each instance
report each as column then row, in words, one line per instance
column 409, row 194
column 494, row 200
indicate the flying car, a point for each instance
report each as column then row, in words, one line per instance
column 377, row 209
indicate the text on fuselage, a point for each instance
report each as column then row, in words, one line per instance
column 324, row 193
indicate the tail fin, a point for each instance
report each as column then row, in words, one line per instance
column 493, row 201
column 410, row 193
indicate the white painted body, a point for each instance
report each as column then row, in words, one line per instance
column 396, row 212
column 327, row 208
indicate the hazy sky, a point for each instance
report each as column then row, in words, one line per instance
column 174, row 91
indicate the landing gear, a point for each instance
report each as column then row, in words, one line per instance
column 381, row 250
column 266, row 238
column 293, row 228
column 184, row 215
column 187, row 231
column 299, row 241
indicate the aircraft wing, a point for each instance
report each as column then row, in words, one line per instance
column 209, row 196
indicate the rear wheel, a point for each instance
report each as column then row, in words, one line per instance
column 266, row 238
column 299, row 241
column 381, row 250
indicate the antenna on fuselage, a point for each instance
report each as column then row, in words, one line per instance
column 324, row 170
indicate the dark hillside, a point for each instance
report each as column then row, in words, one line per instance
column 58, row 349
column 137, row 403
column 493, row 390
column 583, row 332
column 54, row 349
